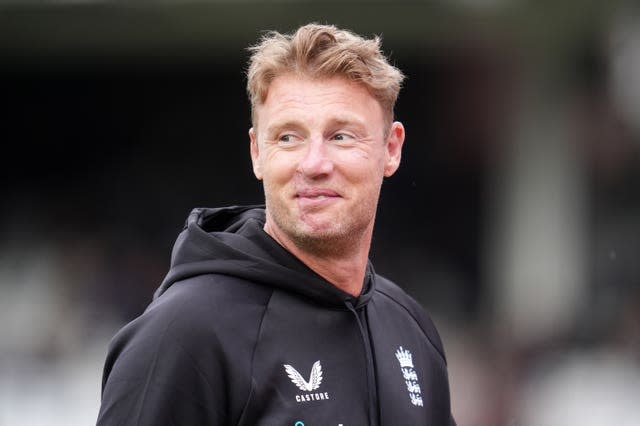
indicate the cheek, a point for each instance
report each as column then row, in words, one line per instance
column 363, row 165
column 277, row 169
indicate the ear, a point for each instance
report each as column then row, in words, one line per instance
column 255, row 154
column 394, row 148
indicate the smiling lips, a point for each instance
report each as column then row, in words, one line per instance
column 316, row 196
column 316, row 193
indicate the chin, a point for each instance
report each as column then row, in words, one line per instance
column 323, row 244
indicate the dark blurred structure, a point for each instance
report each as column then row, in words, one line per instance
column 514, row 218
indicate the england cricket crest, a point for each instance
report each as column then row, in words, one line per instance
column 410, row 376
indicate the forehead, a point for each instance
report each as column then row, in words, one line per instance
column 292, row 94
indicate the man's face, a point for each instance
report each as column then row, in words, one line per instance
column 321, row 148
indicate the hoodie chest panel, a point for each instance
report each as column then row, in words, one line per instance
column 411, row 374
column 309, row 367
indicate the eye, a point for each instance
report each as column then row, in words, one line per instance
column 342, row 137
column 289, row 140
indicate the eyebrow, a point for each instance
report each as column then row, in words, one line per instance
column 346, row 119
column 349, row 120
column 279, row 126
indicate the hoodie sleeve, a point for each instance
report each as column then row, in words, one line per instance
column 171, row 365
column 155, row 372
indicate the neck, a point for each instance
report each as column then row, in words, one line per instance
column 343, row 265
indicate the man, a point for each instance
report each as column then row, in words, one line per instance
column 274, row 315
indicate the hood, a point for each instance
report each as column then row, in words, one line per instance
column 231, row 241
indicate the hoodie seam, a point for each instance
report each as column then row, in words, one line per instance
column 253, row 354
column 150, row 373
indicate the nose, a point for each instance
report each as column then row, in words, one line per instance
column 316, row 161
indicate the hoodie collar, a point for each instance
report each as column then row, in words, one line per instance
column 232, row 241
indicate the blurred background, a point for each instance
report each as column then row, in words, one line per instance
column 514, row 218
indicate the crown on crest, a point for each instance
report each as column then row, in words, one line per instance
column 404, row 357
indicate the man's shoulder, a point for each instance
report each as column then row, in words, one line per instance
column 410, row 307
column 185, row 344
column 198, row 308
column 393, row 291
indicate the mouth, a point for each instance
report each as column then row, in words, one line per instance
column 316, row 198
column 317, row 194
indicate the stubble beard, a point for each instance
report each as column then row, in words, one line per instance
column 339, row 237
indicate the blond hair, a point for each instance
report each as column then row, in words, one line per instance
column 322, row 51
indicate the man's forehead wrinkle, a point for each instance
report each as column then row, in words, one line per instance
column 297, row 100
column 295, row 112
column 323, row 88
column 338, row 119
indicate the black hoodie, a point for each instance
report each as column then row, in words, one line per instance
column 241, row 332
